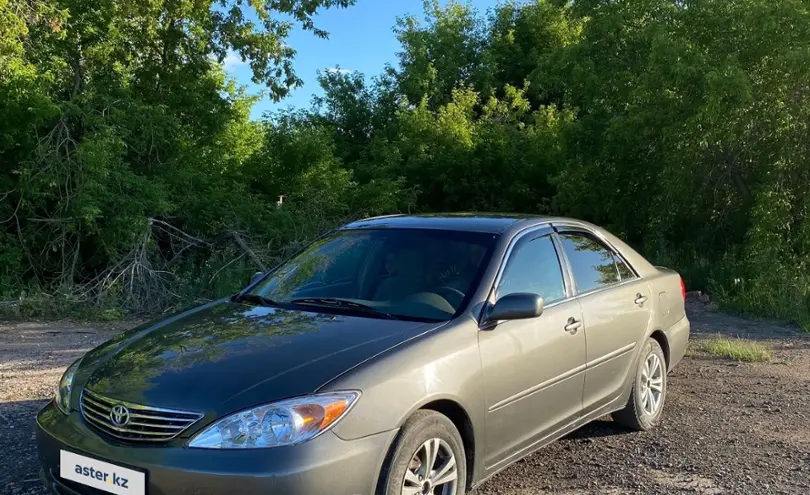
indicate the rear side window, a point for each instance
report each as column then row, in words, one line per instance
column 534, row 267
column 592, row 263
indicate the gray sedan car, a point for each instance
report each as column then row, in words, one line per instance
column 398, row 355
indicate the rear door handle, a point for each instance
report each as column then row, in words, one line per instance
column 573, row 326
column 640, row 299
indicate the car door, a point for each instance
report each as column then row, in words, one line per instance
column 533, row 368
column 615, row 313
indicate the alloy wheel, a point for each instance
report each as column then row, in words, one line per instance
column 652, row 385
column 432, row 470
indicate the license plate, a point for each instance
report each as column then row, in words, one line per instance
column 101, row 475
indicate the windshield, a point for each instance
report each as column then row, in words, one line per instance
column 402, row 273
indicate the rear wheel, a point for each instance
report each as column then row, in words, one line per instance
column 427, row 458
column 646, row 403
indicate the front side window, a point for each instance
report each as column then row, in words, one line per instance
column 592, row 263
column 404, row 273
column 534, row 267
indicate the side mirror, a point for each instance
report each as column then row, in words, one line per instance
column 255, row 277
column 517, row 306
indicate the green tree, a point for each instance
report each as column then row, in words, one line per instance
column 129, row 166
column 110, row 110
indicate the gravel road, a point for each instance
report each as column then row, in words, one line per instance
column 727, row 427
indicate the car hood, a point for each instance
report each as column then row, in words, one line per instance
column 226, row 356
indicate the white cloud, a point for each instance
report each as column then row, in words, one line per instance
column 232, row 60
column 338, row 70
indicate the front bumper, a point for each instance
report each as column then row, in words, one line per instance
column 324, row 465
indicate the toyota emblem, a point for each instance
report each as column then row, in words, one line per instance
column 119, row 415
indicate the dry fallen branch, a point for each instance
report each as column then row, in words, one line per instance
column 174, row 231
column 143, row 277
column 226, row 266
column 243, row 245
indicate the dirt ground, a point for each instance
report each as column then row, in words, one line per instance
column 728, row 427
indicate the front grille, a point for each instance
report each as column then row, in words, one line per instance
column 146, row 424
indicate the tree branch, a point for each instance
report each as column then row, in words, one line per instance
column 76, row 64
column 243, row 245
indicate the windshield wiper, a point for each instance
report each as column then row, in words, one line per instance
column 256, row 299
column 344, row 304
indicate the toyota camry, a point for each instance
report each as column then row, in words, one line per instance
column 397, row 355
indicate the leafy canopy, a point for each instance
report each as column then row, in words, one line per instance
column 129, row 163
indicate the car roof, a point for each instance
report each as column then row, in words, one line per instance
column 504, row 224
column 493, row 223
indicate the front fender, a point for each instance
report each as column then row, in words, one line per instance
column 441, row 365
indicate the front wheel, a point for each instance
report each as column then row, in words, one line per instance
column 646, row 403
column 427, row 458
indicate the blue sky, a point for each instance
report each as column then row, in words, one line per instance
column 360, row 38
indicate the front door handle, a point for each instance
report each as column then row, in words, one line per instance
column 640, row 299
column 573, row 326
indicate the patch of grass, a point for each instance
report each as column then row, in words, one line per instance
column 781, row 295
column 690, row 350
column 39, row 304
column 737, row 349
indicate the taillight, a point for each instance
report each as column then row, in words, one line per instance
column 683, row 289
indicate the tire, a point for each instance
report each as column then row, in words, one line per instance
column 636, row 414
column 408, row 451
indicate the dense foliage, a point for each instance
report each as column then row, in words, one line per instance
column 131, row 176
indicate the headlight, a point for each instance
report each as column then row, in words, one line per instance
column 65, row 387
column 286, row 422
